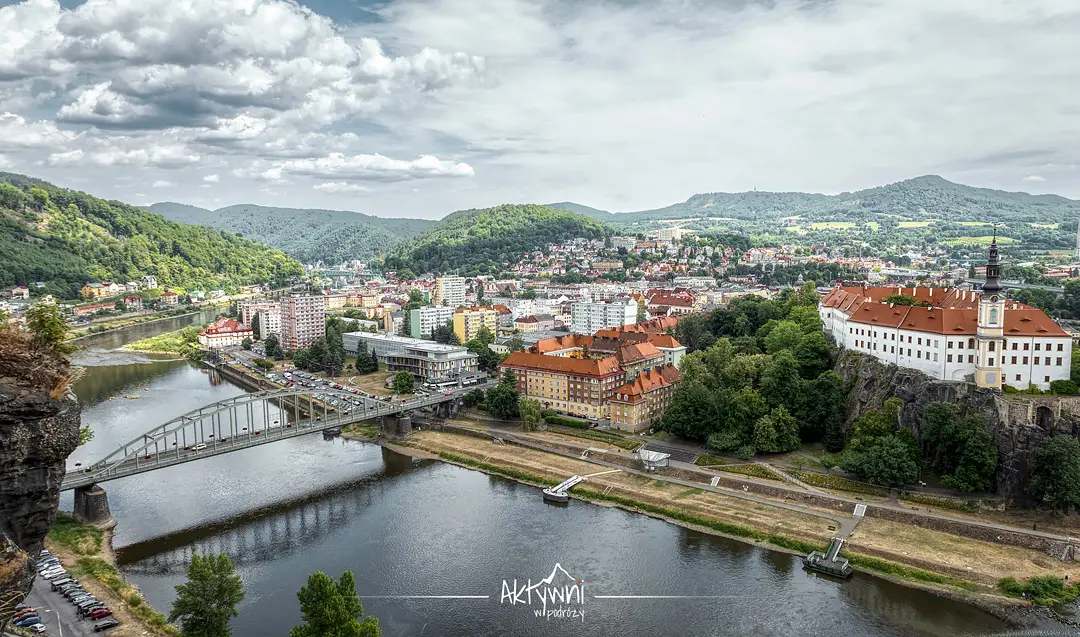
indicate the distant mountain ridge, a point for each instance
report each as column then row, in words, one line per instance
column 309, row 235
column 929, row 196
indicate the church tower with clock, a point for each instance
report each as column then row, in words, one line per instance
column 991, row 326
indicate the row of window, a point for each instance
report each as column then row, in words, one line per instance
column 959, row 344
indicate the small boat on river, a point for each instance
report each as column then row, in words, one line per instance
column 829, row 562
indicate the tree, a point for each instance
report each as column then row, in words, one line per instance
column 527, row 293
column 473, row 398
column 48, row 326
column 332, row 609
column 887, row 462
column 960, row 448
column 445, row 334
column 272, row 345
column 207, row 601
column 529, row 410
column 693, row 331
column 256, row 325
column 404, row 383
column 485, row 336
column 502, row 401
column 246, row 343
column 776, row 432
column 516, row 344
column 1056, row 478
column 489, row 360
column 783, row 335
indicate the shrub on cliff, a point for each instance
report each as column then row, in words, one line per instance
column 1056, row 479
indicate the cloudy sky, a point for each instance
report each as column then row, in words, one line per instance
column 420, row 107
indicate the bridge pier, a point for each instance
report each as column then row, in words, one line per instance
column 92, row 506
column 448, row 409
column 396, row 425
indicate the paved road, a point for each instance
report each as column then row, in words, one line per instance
column 57, row 613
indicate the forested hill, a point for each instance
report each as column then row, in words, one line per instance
column 329, row 236
column 477, row 241
column 65, row 238
column 922, row 198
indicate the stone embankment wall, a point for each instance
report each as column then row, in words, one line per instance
column 1017, row 422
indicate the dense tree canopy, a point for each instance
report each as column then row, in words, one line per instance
column 206, row 603
column 65, row 238
column 332, row 609
column 1056, row 479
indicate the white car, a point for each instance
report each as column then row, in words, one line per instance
column 199, row 447
column 38, row 628
column 51, row 572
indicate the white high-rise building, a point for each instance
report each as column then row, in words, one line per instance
column 424, row 320
column 269, row 322
column 587, row 318
column 449, row 291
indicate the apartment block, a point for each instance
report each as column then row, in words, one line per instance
column 449, row 291
column 424, row 320
column 303, row 319
column 248, row 308
column 469, row 320
column 587, row 318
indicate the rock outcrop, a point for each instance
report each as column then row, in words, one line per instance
column 1017, row 422
column 37, row 433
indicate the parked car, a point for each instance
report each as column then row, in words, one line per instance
column 100, row 613
column 105, row 624
column 28, row 621
column 38, row 628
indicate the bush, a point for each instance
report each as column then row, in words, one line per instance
column 554, row 419
column 263, row 364
column 1066, row 387
column 1046, row 590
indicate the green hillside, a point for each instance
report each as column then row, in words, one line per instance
column 479, row 241
column 64, row 238
column 329, row 236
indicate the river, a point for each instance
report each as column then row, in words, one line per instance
column 409, row 528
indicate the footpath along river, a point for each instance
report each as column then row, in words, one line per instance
column 422, row 528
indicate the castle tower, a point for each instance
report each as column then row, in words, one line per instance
column 991, row 327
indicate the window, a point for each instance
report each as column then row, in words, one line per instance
column 1059, row 361
column 960, row 344
column 1046, row 379
column 1018, row 377
column 971, row 359
column 993, row 316
column 892, row 349
column 948, row 344
column 1036, row 362
column 1014, row 347
column 1026, row 345
column 909, row 351
column 1060, row 346
column 971, row 343
column 992, row 345
column 935, row 357
column 920, row 340
column 948, row 359
column 991, row 362
column 1025, row 361
column 1013, row 361
column 918, row 354
column 1037, row 347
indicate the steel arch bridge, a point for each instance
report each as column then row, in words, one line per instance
column 244, row 421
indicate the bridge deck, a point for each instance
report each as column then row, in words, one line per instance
column 221, row 441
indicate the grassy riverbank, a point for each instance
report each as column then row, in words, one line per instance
column 182, row 342
column 86, row 553
column 958, row 567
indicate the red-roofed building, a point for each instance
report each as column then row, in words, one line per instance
column 642, row 401
column 577, row 386
column 225, row 332
column 956, row 335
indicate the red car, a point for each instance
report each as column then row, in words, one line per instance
column 99, row 613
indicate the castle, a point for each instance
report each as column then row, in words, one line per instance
column 949, row 334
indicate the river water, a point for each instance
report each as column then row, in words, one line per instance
column 421, row 528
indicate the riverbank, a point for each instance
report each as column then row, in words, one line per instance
column 86, row 552
column 181, row 342
column 957, row 568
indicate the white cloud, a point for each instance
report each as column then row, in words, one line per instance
column 618, row 104
column 211, row 179
column 375, row 168
column 338, row 187
column 161, row 183
column 1034, row 178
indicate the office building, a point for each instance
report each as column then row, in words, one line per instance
column 424, row 359
column 587, row 318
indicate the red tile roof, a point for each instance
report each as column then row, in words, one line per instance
column 645, row 382
column 578, row 366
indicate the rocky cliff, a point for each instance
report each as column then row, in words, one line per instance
column 39, row 428
column 1017, row 422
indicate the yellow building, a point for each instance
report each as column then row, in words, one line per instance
column 577, row 386
column 469, row 320
column 642, row 401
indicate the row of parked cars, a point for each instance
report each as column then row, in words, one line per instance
column 64, row 584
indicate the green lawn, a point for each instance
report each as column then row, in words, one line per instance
column 913, row 224
column 832, row 225
column 978, row 241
